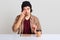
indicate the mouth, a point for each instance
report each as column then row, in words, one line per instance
column 26, row 14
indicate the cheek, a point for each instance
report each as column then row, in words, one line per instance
column 28, row 10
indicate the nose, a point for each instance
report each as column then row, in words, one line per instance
column 26, row 11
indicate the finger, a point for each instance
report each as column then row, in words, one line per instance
column 24, row 12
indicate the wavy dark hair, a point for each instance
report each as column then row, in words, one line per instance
column 26, row 3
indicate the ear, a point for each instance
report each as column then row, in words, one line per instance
column 31, row 10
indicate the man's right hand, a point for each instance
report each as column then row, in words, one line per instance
column 16, row 26
column 22, row 15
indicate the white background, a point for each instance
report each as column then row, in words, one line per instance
column 48, row 12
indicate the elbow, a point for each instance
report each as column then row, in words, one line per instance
column 13, row 29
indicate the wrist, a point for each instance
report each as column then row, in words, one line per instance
column 35, row 31
column 22, row 16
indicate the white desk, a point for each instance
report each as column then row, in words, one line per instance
column 32, row 37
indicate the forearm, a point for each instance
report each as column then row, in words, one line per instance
column 16, row 26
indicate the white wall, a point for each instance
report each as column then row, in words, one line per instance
column 46, row 10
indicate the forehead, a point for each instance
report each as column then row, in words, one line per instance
column 26, row 7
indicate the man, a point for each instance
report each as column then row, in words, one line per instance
column 26, row 23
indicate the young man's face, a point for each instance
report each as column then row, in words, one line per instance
column 27, row 10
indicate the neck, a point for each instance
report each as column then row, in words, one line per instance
column 27, row 17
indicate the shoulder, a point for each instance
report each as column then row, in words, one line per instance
column 35, row 17
column 17, row 17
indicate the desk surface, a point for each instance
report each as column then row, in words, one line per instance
column 30, row 37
